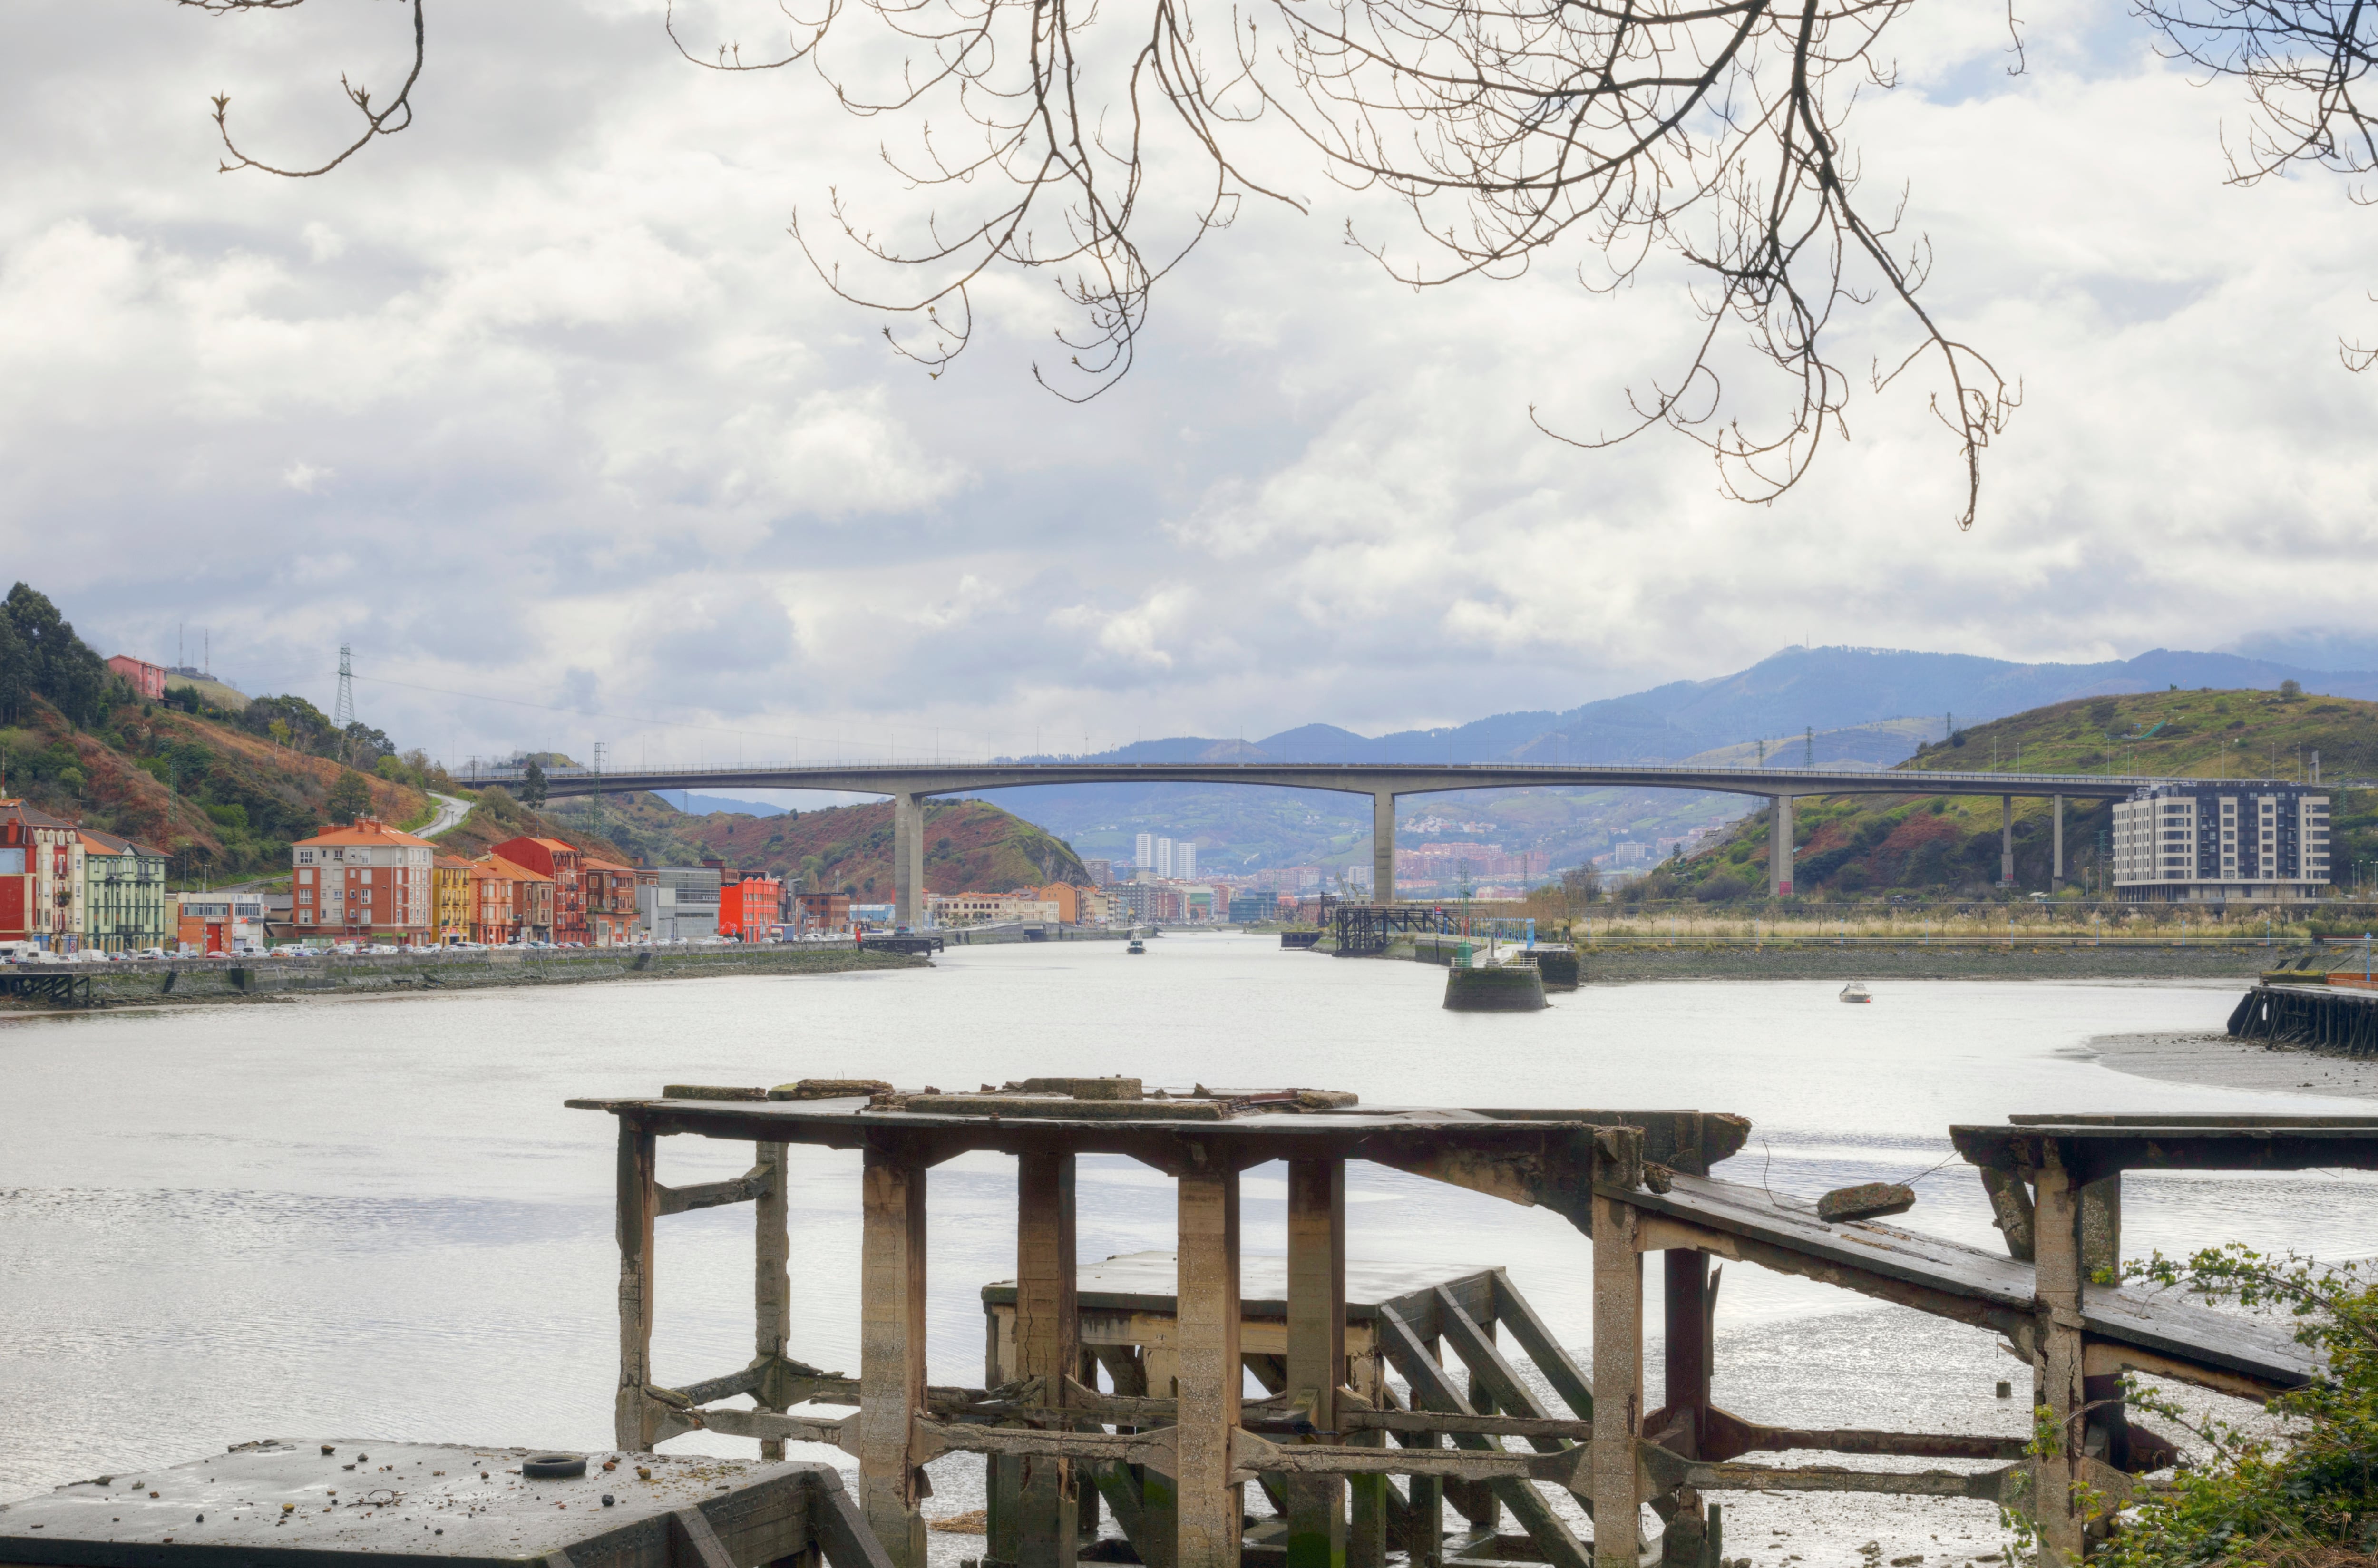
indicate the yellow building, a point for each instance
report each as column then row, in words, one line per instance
column 450, row 881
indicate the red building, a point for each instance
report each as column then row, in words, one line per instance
column 748, row 909
column 563, row 864
column 40, row 876
column 610, row 901
column 148, row 679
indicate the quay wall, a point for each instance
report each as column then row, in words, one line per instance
column 266, row 979
column 1625, row 964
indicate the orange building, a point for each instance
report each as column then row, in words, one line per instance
column 527, row 898
column 748, row 909
column 561, row 864
column 1067, row 898
column 364, row 881
column 611, row 917
column 450, row 879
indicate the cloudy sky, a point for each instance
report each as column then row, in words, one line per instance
column 539, row 402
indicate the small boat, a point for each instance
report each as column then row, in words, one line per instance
column 1856, row 991
column 1136, row 945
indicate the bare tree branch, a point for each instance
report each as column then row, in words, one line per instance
column 396, row 116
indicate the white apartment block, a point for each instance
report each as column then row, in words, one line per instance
column 2217, row 841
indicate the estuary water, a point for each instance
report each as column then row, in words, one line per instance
column 374, row 1217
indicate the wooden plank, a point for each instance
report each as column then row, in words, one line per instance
column 1471, row 1343
column 1047, row 1346
column 890, row 1352
column 1551, row 1533
column 2091, row 1150
column 712, row 1194
column 841, row 1528
column 631, row 1420
column 1551, row 1357
column 772, row 1282
column 693, row 1544
column 1206, row 1502
column 1617, row 1353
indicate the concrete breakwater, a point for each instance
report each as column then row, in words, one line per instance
column 1975, row 961
column 260, row 979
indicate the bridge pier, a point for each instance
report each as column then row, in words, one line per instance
column 2006, row 841
column 908, row 860
column 1779, row 847
column 1382, row 846
column 2056, row 862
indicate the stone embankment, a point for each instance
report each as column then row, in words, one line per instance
column 1973, row 961
column 271, row 979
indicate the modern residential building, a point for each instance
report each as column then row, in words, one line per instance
column 611, row 912
column 124, row 902
column 1248, row 904
column 364, row 881
column 1101, row 871
column 1067, row 898
column 2221, row 840
column 748, row 908
column 1142, row 852
column 453, row 892
column 561, row 862
column 40, row 878
column 147, row 679
column 680, row 903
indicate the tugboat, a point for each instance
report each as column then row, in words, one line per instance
column 1135, row 945
column 1856, row 991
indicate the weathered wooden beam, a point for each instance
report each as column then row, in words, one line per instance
column 1316, row 1349
column 841, row 1529
column 2010, row 1210
column 740, row 1188
column 1684, row 1309
column 1207, row 1503
column 725, row 1386
column 1513, row 1312
column 1048, row 1347
column 1476, row 1348
column 772, row 1282
column 1428, row 1379
column 692, row 1543
column 1617, row 1350
column 1662, row 1469
column 842, row 1432
column 630, row 1419
column 892, row 1353
column 1726, row 1435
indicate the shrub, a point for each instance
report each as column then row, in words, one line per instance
column 2305, row 1498
column 1723, row 887
column 2290, row 689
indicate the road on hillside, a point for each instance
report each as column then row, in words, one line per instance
column 451, row 810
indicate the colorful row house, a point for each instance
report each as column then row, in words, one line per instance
column 65, row 887
column 612, row 915
column 125, row 906
column 561, row 863
column 363, row 882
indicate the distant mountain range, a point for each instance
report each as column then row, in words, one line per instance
column 1848, row 697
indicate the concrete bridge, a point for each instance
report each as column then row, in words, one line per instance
column 910, row 783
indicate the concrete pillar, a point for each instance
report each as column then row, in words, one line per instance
column 890, row 1352
column 907, row 860
column 2006, row 841
column 1618, row 1363
column 1382, row 846
column 1779, row 847
column 1316, row 1348
column 772, row 1284
column 1048, row 1346
column 1205, row 1326
column 2056, row 865
column 2055, row 1242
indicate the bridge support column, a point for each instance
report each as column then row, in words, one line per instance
column 908, row 860
column 1382, row 846
column 2056, row 865
column 2006, row 841
column 1779, row 847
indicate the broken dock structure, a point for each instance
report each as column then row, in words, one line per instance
column 1357, row 1469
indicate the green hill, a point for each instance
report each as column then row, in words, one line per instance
column 970, row 845
column 1867, row 846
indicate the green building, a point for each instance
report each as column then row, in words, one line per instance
column 123, row 906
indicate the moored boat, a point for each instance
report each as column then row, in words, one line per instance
column 1856, row 991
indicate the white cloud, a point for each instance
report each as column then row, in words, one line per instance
column 596, row 431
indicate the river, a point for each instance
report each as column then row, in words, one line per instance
column 372, row 1217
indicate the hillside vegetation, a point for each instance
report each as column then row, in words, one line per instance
column 970, row 845
column 1868, row 845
